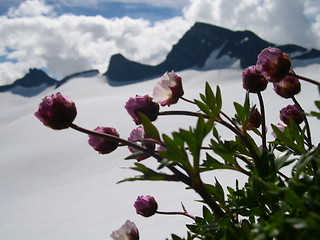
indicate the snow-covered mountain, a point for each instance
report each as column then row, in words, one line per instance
column 53, row 185
column 36, row 81
column 203, row 47
column 206, row 47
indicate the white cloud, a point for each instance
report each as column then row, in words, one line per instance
column 31, row 8
column 274, row 20
column 68, row 43
column 162, row 3
column 32, row 36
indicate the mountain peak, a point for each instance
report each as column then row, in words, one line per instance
column 203, row 47
column 35, row 79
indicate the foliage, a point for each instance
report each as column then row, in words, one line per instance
column 270, row 204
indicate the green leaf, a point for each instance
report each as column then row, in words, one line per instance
column 292, row 137
column 213, row 164
column 175, row 150
column 203, row 107
column 293, row 199
column 217, row 191
column 149, row 128
column 207, row 215
column 218, row 99
column 282, row 160
column 211, row 100
column 226, row 150
column 148, row 174
column 134, row 155
column 240, row 112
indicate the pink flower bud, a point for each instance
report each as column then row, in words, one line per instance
column 142, row 104
column 273, row 64
column 127, row 231
column 56, row 111
column 291, row 112
column 281, row 127
column 104, row 145
column 253, row 81
column 169, row 89
column 254, row 119
column 146, row 206
column 287, row 87
column 138, row 135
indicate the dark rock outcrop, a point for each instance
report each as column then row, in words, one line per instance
column 34, row 82
column 201, row 43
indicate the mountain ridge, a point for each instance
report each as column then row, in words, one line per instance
column 36, row 80
column 202, row 47
column 194, row 49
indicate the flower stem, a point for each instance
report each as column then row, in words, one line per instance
column 263, row 122
column 185, row 113
column 177, row 213
column 308, row 138
column 116, row 139
column 309, row 141
column 187, row 100
column 182, row 177
column 305, row 79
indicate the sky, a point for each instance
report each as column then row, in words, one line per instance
column 67, row 36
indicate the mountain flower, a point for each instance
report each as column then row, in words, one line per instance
column 104, row 145
column 56, row 111
column 287, row 87
column 254, row 119
column 273, row 64
column 169, row 89
column 142, row 104
column 281, row 127
column 291, row 112
column 127, row 231
column 138, row 135
column 146, row 206
column 253, row 81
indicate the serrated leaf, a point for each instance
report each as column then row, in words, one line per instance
column 218, row 99
column 175, row 150
column 315, row 114
column 150, row 130
column 297, row 135
column 134, row 155
column 216, row 191
column 203, row 98
column 211, row 100
column 148, row 174
column 240, row 111
column 207, row 215
column 213, row 164
column 203, row 107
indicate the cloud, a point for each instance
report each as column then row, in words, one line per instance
column 162, row 3
column 273, row 20
column 32, row 35
column 69, row 43
column 31, row 8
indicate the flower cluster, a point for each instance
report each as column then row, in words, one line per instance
column 270, row 205
column 273, row 66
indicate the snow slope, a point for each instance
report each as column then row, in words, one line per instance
column 54, row 186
